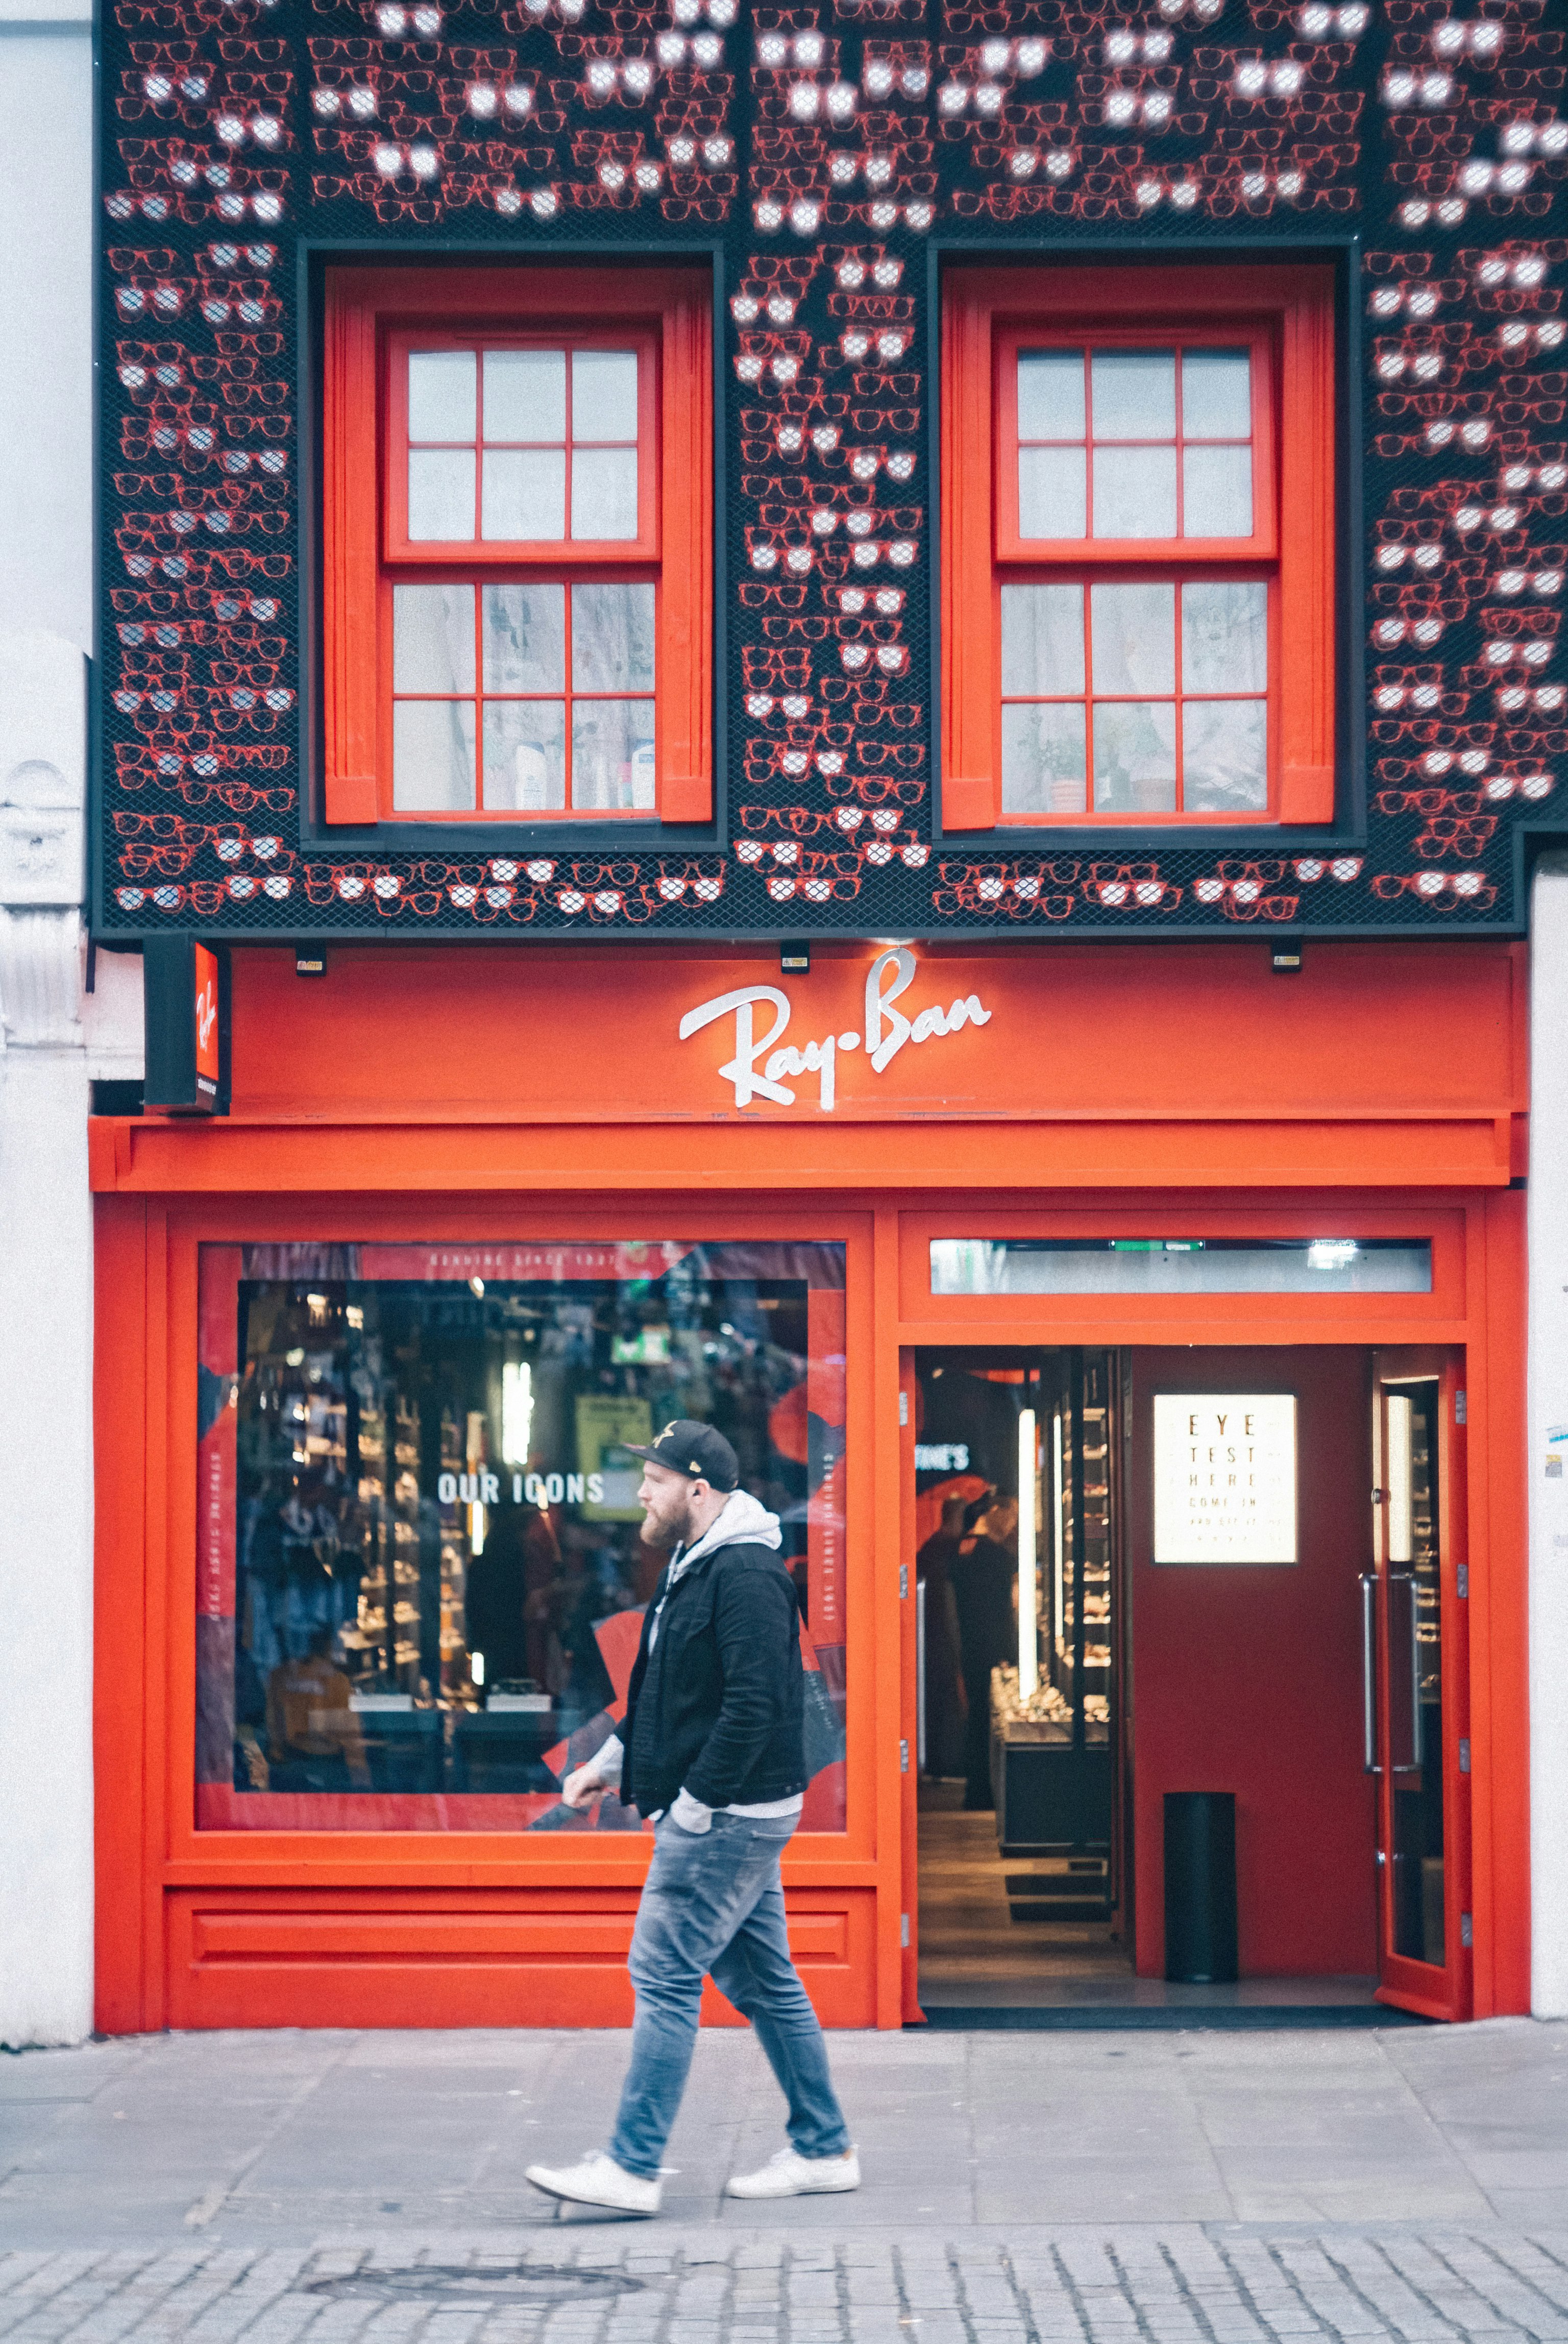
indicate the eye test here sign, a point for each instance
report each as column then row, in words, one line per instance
column 1225, row 1477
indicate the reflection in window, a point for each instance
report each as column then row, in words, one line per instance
column 1180, row 1266
column 492, row 453
column 1135, row 698
column 1135, row 443
column 523, row 697
column 420, row 1604
column 1411, row 1447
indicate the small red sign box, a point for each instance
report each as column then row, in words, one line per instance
column 187, row 1019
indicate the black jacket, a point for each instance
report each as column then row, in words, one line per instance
column 716, row 1707
column 983, row 1583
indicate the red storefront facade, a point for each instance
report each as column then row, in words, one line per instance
column 424, row 1123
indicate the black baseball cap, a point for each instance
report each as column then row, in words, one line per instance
column 695, row 1450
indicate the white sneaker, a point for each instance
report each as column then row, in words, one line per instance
column 598, row 2181
column 791, row 2174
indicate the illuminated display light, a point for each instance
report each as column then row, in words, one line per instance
column 516, row 1410
column 1028, row 1582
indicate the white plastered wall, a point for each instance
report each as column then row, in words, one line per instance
column 53, row 1038
column 1549, row 1437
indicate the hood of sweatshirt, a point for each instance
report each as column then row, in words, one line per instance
column 745, row 1521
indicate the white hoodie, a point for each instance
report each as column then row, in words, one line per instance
column 744, row 1521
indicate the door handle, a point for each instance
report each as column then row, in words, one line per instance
column 1412, row 1765
column 1369, row 1693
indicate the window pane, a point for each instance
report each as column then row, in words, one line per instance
column 605, row 395
column 604, row 493
column 1051, row 394
column 1043, row 765
column 1042, row 640
column 431, row 1578
column 432, row 639
column 1225, row 636
column 612, row 639
column 524, row 640
column 525, row 755
column 1134, row 394
column 1135, row 756
column 1217, row 492
column 613, row 755
column 1179, row 1265
column 1224, row 767
column 1217, row 394
column 1415, row 1672
column 1135, row 492
column 441, row 493
column 433, row 756
column 525, row 493
column 1133, row 630
column 1050, row 493
column 525, row 394
column 441, row 395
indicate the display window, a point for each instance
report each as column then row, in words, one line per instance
column 422, row 1577
column 1138, row 593
column 518, row 567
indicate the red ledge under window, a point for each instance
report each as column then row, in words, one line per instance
column 1284, row 316
column 372, row 317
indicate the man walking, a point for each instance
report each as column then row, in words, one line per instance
column 712, row 1750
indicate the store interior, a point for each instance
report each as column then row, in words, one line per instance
column 1017, row 1464
column 426, row 1606
column 1027, row 1517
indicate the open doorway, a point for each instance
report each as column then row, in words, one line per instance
column 1151, row 1581
column 1024, row 1896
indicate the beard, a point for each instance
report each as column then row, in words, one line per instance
column 667, row 1523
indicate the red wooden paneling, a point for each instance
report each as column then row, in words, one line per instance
column 340, row 1959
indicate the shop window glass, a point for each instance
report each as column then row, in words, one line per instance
column 1180, row 1266
column 420, row 1573
column 1411, row 1452
column 1145, row 694
column 1138, row 559
column 517, row 579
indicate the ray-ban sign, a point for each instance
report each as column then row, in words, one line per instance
column 762, row 1063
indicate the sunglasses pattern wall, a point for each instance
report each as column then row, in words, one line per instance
column 825, row 153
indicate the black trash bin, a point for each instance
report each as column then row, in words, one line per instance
column 1200, row 1887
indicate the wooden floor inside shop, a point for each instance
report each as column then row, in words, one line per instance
column 974, row 1948
column 981, row 1949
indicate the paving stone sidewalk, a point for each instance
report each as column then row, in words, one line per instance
column 1096, row 2188
column 592, row 2284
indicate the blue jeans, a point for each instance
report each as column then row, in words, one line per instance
column 713, row 1904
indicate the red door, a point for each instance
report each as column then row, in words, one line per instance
column 1244, row 1672
column 1414, row 1657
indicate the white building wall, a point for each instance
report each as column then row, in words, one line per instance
column 1548, row 1418
column 53, row 1038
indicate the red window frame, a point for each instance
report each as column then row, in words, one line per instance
column 373, row 316
column 1285, row 316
